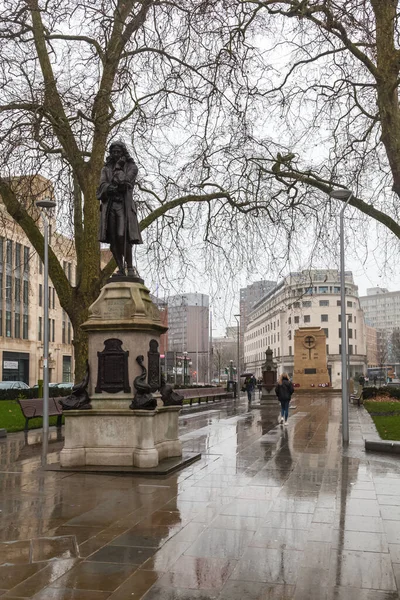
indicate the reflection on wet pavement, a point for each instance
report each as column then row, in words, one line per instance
column 268, row 513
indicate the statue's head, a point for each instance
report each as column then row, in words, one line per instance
column 117, row 150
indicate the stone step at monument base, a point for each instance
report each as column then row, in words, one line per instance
column 164, row 467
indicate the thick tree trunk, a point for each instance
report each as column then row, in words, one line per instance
column 80, row 343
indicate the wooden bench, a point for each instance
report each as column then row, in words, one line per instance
column 33, row 408
column 204, row 393
column 357, row 398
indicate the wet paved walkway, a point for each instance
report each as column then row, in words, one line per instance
column 269, row 513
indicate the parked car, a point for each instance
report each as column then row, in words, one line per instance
column 65, row 384
column 13, row 385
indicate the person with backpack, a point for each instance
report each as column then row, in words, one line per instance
column 284, row 390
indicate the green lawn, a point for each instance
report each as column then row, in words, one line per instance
column 12, row 419
column 386, row 416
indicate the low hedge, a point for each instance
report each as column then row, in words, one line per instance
column 32, row 393
column 389, row 391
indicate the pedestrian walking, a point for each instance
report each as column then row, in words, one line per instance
column 249, row 386
column 284, row 390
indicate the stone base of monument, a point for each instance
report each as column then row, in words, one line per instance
column 268, row 399
column 123, row 325
column 130, row 438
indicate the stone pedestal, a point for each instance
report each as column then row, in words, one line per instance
column 268, row 396
column 139, row 438
column 122, row 322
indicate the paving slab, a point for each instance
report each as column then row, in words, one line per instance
column 267, row 513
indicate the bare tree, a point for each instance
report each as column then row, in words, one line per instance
column 73, row 78
column 333, row 102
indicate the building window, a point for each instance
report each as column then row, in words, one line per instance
column 9, row 253
column 296, row 304
column 54, row 298
column 323, row 289
column 324, row 318
column 40, row 294
column 290, row 350
column 289, row 320
column 8, row 288
column 40, row 266
column 350, row 332
column 17, row 290
column 339, row 318
column 17, row 325
column 307, row 304
column 340, row 332
column 327, row 349
column 355, row 350
column 25, row 293
column 340, row 348
column 53, row 329
column 307, row 318
column 25, row 327
column 69, row 332
column 350, row 349
column 349, row 304
column 26, row 259
column 40, row 329
column 349, row 318
column 326, row 332
column 324, row 302
column 63, row 332
column 338, row 303
column 1, row 323
column 336, row 290
column 8, row 323
column 297, row 319
column 67, row 371
column 17, row 255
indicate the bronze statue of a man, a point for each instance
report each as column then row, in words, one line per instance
column 119, row 226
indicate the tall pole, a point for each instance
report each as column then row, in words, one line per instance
column 197, row 345
column 237, row 317
column 46, row 203
column 210, row 361
column 45, row 440
column 345, row 399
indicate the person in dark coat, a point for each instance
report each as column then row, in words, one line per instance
column 284, row 390
column 119, row 225
column 250, row 385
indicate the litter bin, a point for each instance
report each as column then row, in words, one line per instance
column 231, row 387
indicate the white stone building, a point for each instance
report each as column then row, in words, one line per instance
column 307, row 298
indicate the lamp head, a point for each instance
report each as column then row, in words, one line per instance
column 341, row 194
column 45, row 203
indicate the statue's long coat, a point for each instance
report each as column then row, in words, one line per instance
column 132, row 225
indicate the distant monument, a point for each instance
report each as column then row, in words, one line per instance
column 268, row 396
column 310, row 359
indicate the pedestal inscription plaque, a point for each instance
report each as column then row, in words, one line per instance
column 112, row 375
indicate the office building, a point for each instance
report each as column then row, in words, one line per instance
column 21, row 305
column 307, row 299
column 382, row 311
column 188, row 332
column 248, row 297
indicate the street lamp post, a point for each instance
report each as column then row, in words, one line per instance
column 185, row 359
column 237, row 317
column 45, row 204
column 345, row 196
